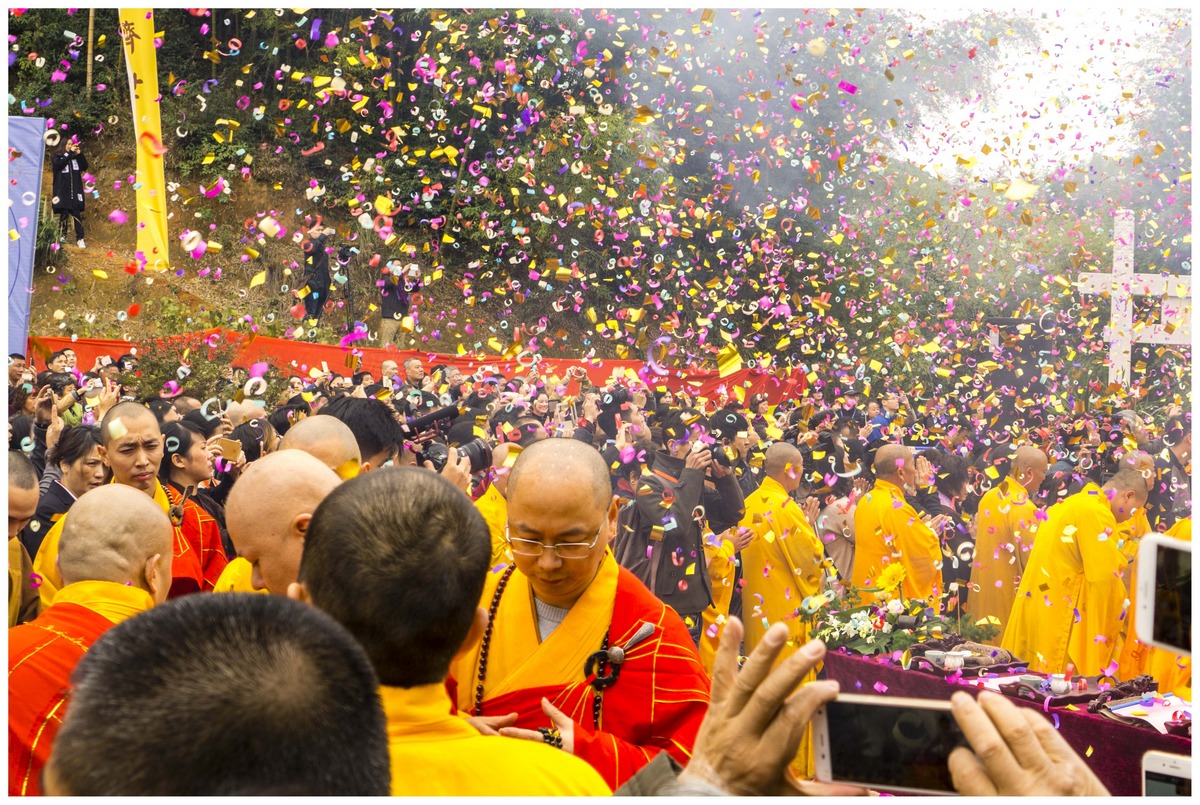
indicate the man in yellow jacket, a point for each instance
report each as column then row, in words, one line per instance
column 888, row 529
column 399, row 558
column 782, row 564
column 1071, row 597
column 1004, row 529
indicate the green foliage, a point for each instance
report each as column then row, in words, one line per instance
column 200, row 367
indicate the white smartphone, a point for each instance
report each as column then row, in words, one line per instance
column 1164, row 593
column 886, row 742
column 1166, row 775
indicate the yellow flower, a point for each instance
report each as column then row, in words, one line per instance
column 891, row 577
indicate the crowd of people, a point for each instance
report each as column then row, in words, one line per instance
column 428, row 582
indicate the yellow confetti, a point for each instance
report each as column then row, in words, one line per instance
column 258, row 279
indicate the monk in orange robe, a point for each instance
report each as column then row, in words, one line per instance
column 577, row 651
column 1172, row 670
column 132, row 446
column 115, row 555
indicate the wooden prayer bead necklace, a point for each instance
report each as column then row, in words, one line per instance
column 602, row 680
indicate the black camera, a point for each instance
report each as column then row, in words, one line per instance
column 612, row 399
column 723, row 455
column 437, row 454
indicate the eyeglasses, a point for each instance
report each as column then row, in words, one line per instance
column 565, row 550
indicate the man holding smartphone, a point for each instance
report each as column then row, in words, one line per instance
column 67, row 203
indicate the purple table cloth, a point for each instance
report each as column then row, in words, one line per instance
column 1115, row 749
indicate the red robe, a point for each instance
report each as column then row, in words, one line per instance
column 42, row 654
column 657, row 703
column 199, row 555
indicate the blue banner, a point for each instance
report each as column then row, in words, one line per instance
column 26, row 150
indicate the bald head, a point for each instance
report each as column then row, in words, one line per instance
column 559, row 461
column 1029, row 465
column 1140, row 462
column 112, row 533
column 891, row 460
column 325, row 437
column 1126, row 492
column 120, row 419
column 269, row 510
column 784, row 463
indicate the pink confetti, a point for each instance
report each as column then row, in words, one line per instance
column 118, row 217
column 846, row 86
column 880, row 687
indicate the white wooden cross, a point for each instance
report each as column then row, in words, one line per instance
column 1122, row 285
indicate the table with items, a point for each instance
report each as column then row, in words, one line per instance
column 1113, row 749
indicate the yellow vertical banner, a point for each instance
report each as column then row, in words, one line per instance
column 141, row 61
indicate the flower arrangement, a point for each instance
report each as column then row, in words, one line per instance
column 887, row 622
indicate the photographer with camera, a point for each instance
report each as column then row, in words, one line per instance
column 68, row 168
column 397, row 284
column 315, row 282
column 685, row 491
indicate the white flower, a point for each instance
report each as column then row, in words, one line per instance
column 887, row 627
column 895, row 606
column 870, row 639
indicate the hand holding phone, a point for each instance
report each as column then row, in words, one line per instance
column 756, row 718
column 1164, row 593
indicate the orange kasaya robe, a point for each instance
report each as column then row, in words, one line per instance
column 1172, row 670
column 202, row 539
column 657, row 703
column 1071, row 598
column 41, row 656
column 198, row 560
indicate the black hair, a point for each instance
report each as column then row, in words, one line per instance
column 12, row 356
column 726, row 424
column 283, row 417
column 677, row 424
column 951, row 474
column 1178, row 428
column 60, row 380
column 371, row 422
column 178, row 438
column 74, row 444
column 274, row 693
column 253, row 435
column 399, row 557
column 206, row 424
column 357, row 379
column 22, row 428
column 21, row 472
column 159, row 407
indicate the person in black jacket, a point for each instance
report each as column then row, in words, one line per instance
column 316, row 273
column 685, row 489
column 67, row 203
column 397, row 284
column 77, row 455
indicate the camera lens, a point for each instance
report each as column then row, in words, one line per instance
column 479, row 453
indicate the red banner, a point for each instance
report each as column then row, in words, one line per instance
column 297, row 357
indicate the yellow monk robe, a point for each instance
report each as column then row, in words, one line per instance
column 23, row 601
column 657, row 703
column 1071, row 592
column 435, row 754
column 781, row 567
column 186, row 571
column 1004, row 529
column 494, row 508
column 888, row 529
column 722, row 567
column 41, row 656
column 1172, row 670
column 235, row 578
